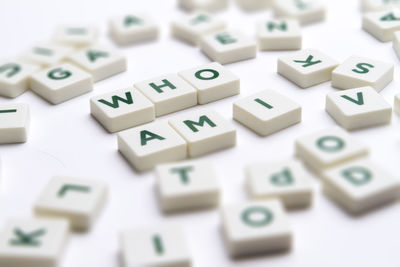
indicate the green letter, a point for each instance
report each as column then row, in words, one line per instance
column 76, row 31
column 363, row 69
column 199, row 18
column 43, row 51
column 247, row 218
column 389, row 17
column 215, row 74
column 94, row 55
column 357, row 175
column 8, row 110
column 14, row 69
column 183, row 173
column 283, row 178
column 330, row 143
column 272, row 25
column 201, row 122
column 116, row 99
column 225, row 38
column 58, row 74
column 158, row 245
column 166, row 84
column 146, row 136
column 132, row 20
column 359, row 101
column 72, row 187
column 27, row 239
column 300, row 4
column 308, row 62
column 259, row 101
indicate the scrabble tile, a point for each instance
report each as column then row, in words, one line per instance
column 358, row 108
column 256, row 227
column 187, row 185
column 122, row 109
column 397, row 104
column 169, row 93
column 279, row 34
column 360, row 185
column 307, row 67
column 228, row 46
column 382, row 24
column 360, row 71
column 133, row 28
column 396, row 43
column 329, row 148
column 254, row 5
column 78, row 200
column 32, row 242
column 208, row 5
column 379, row 5
column 305, row 11
column 162, row 246
column 61, row 83
column 14, row 77
column 285, row 180
column 76, row 35
column 151, row 144
column 267, row 112
column 100, row 62
column 46, row 54
column 212, row 82
column 205, row 131
column 14, row 123
column 193, row 27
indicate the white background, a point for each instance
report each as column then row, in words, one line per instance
column 65, row 139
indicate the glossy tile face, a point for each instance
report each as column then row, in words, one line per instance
column 361, row 71
column 190, row 29
column 204, row 131
column 131, row 29
column 277, row 35
column 255, row 228
column 78, row 200
column 61, row 83
column 212, row 82
column 267, row 112
column 307, row 67
column 285, row 180
column 148, row 145
column 162, row 246
column 187, row 185
column 122, row 109
column 101, row 62
column 358, row 108
column 360, row 185
column 33, row 242
column 169, row 93
column 329, row 148
column 228, row 46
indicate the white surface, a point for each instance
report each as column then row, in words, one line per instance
column 14, row 123
column 65, row 139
